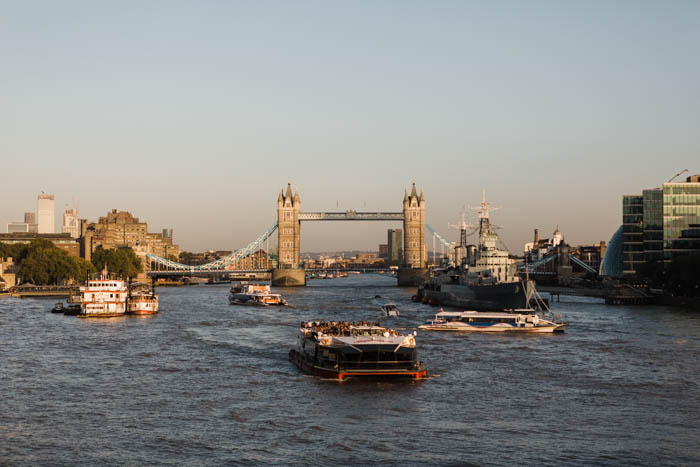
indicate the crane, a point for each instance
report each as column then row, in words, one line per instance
column 679, row 173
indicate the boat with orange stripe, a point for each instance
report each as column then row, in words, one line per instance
column 342, row 349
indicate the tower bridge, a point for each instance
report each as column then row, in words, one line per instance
column 289, row 272
column 289, row 217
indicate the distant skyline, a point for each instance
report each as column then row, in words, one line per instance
column 193, row 115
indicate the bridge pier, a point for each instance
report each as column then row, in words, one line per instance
column 288, row 277
column 411, row 277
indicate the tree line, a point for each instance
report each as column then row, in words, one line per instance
column 43, row 263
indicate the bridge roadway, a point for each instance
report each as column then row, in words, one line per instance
column 351, row 216
column 220, row 272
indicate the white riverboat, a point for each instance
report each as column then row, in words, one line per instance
column 142, row 302
column 243, row 293
column 103, row 298
column 524, row 321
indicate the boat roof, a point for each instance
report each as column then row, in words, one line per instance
column 482, row 314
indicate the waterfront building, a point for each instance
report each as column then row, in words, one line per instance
column 61, row 240
column 632, row 233
column 611, row 261
column 121, row 229
column 45, row 210
column 70, row 223
column 681, row 211
column 383, row 250
column 659, row 224
column 541, row 247
column 394, row 244
column 8, row 273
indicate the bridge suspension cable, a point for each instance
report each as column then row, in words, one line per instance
column 220, row 263
column 440, row 238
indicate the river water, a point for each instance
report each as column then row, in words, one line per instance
column 207, row 383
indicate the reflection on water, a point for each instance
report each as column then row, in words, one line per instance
column 209, row 383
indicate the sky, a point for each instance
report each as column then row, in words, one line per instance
column 193, row 115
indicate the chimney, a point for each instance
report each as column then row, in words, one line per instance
column 537, row 239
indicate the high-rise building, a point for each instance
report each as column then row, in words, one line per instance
column 167, row 233
column 70, row 223
column 30, row 218
column 681, row 214
column 45, row 212
column 394, row 243
column 632, row 233
column 660, row 224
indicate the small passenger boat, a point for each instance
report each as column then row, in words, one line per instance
column 473, row 321
column 344, row 349
column 390, row 309
column 142, row 302
column 58, row 308
column 243, row 293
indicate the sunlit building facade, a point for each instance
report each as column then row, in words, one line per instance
column 681, row 210
column 660, row 224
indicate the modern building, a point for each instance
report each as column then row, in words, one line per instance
column 659, row 225
column 383, row 250
column 632, row 233
column 30, row 217
column 681, row 211
column 19, row 227
column 394, row 245
column 70, row 223
column 45, row 211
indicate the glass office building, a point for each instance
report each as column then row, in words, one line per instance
column 660, row 224
column 681, row 210
column 653, row 224
column 632, row 233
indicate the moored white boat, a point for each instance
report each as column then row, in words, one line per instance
column 103, row 298
column 142, row 303
column 473, row 321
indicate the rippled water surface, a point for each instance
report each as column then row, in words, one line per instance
column 207, row 383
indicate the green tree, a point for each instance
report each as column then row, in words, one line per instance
column 42, row 262
column 122, row 261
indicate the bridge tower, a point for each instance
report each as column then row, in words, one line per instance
column 288, row 271
column 413, row 270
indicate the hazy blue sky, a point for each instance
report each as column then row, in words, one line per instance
column 192, row 115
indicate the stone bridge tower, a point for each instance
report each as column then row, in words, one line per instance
column 288, row 272
column 413, row 269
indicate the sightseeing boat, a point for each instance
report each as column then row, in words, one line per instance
column 523, row 321
column 243, row 293
column 103, row 298
column 142, row 301
column 340, row 350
